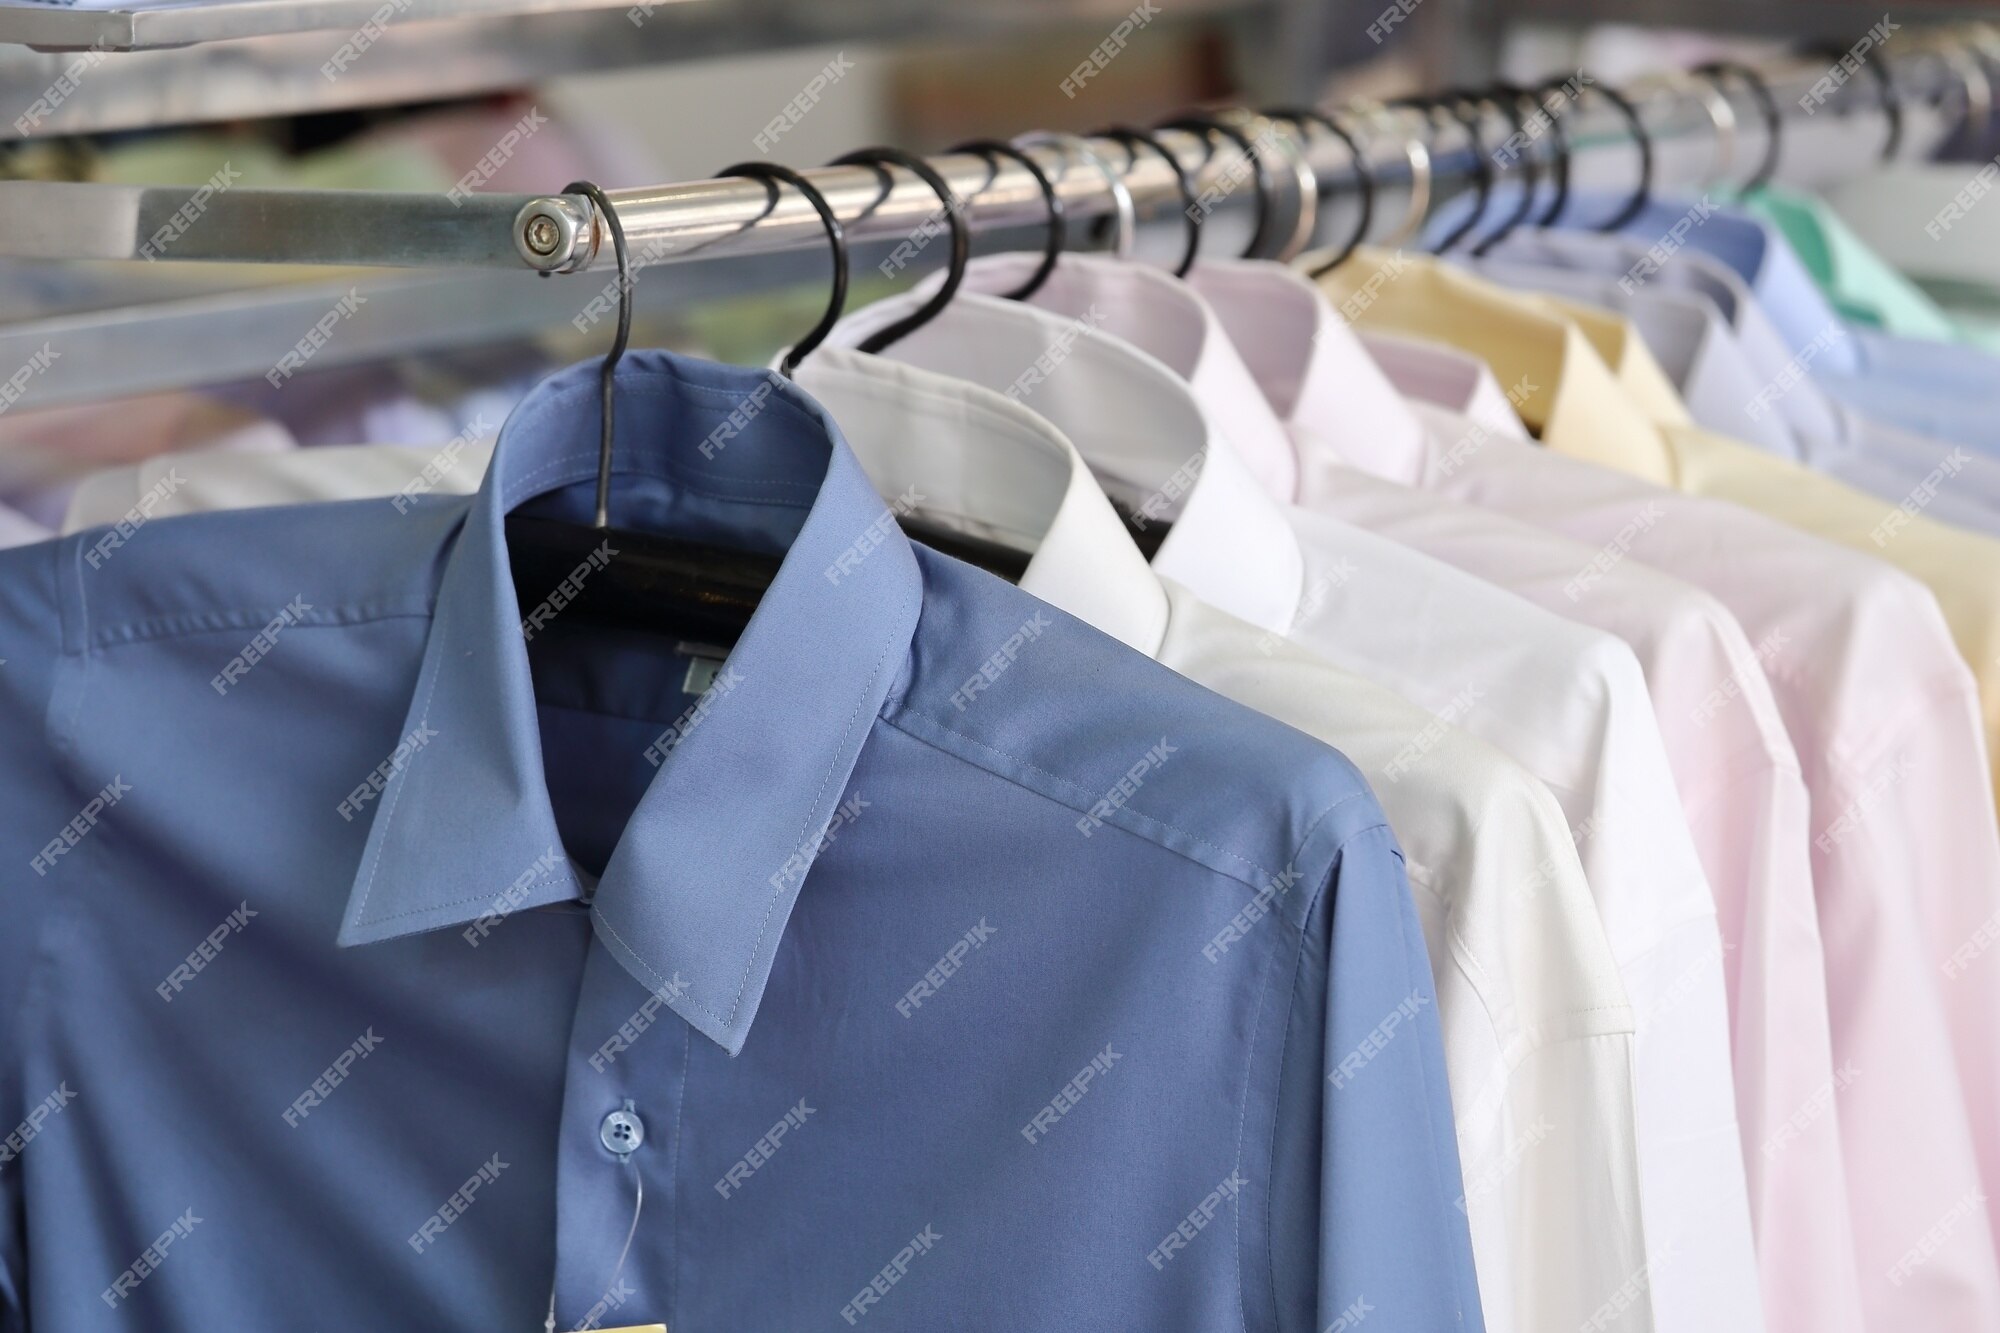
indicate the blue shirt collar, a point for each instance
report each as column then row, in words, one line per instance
column 696, row 894
column 1759, row 254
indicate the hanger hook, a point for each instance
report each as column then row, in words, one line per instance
column 607, row 378
column 1508, row 97
column 1971, row 72
column 1204, row 124
column 1424, row 107
column 1454, row 104
column 1559, row 168
column 1721, row 114
column 1290, row 144
column 1131, row 137
column 1417, row 152
column 1643, row 140
column 1364, row 177
column 1774, row 123
column 775, row 176
column 1124, row 213
column 1057, row 223
column 1885, row 84
column 1981, row 49
column 881, row 158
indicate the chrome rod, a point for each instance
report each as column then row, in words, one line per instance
column 1823, row 137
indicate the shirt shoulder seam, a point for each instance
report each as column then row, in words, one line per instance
column 1063, row 789
column 179, row 624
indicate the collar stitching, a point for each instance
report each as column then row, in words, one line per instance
column 659, row 984
column 771, row 904
column 550, row 878
column 361, row 917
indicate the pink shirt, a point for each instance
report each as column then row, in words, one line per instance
column 1883, row 716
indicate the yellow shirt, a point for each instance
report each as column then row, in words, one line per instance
column 1625, row 351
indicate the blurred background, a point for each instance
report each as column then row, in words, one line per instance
column 524, row 96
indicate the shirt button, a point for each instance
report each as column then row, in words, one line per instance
column 621, row 1132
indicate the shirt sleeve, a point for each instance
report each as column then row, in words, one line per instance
column 1365, row 1113
column 34, row 808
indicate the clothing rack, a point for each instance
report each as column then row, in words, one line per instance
column 735, row 217
column 482, row 286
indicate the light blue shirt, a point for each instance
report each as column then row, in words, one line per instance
column 1941, row 391
column 1735, row 387
column 936, row 961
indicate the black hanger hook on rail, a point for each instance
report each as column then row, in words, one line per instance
column 1425, row 138
column 961, row 236
column 773, row 175
column 1205, row 124
column 1364, row 177
column 1058, row 225
column 1643, row 139
column 1559, row 168
column 1760, row 92
column 1509, row 98
column 1455, row 104
column 608, row 376
column 1885, row 83
column 1131, row 137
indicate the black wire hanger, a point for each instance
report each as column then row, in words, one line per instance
column 1885, row 83
column 1057, row 225
column 1364, row 178
column 1205, row 124
column 1643, row 139
column 1510, row 97
column 1132, row 137
column 961, row 235
column 774, row 175
column 1774, row 123
column 1465, row 110
column 643, row 580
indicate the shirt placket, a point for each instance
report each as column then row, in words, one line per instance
column 615, row 1188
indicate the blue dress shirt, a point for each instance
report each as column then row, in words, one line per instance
column 936, row 961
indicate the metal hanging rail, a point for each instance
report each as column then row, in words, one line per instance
column 486, row 254
column 708, row 219
column 712, row 219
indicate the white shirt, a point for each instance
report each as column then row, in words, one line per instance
column 1566, row 702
